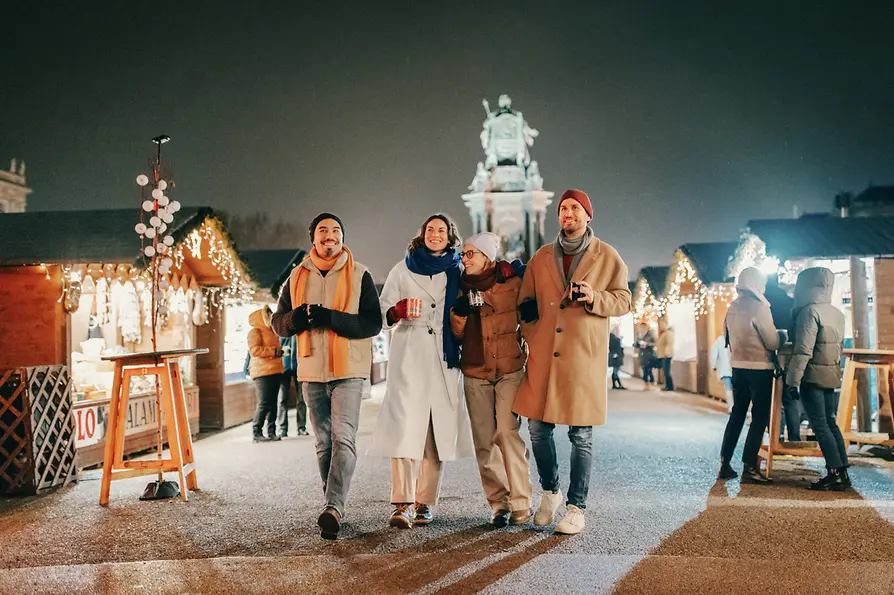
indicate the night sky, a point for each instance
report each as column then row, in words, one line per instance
column 682, row 120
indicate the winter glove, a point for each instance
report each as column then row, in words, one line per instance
column 320, row 317
column 793, row 392
column 528, row 310
column 298, row 319
column 397, row 312
column 278, row 353
column 461, row 306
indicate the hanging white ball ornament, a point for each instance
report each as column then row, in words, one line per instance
column 175, row 206
column 163, row 284
column 161, row 211
column 149, row 251
column 140, row 228
column 155, row 221
column 168, row 218
column 142, row 180
column 148, row 205
column 150, row 233
column 168, row 262
column 156, row 194
column 162, row 184
column 162, row 228
column 163, row 200
column 169, row 241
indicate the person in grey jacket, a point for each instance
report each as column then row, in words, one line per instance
column 753, row 342
column 817, row 339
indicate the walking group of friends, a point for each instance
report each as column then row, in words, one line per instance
column 478, row 345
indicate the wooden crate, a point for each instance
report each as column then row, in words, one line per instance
column 37, row 434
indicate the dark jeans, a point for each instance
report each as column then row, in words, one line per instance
column 616, row 377
column 334, row 409
column 268, row 388
column 666, row 364
column 791, row 414
column 282, row 417
column 821, row 405
column 647, row 373
column 543, row 445
column 754, row 387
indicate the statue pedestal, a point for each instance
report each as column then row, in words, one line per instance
column 517, row 217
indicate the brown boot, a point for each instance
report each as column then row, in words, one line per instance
column 520, row 517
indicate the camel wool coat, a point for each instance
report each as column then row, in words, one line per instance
column 567, row 371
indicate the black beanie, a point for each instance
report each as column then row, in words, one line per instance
column 320, row 217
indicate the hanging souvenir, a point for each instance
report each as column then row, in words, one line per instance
column 129, row 315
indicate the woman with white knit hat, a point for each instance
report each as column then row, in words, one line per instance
column 484, row 319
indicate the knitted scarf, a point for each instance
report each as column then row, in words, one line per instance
column 571, row 247
column 473, row 339
column 338, row 345
column 422, row 262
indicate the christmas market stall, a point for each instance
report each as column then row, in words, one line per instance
column 648, row 292
column 859, row 250
column 74, row 288
column 695, row 304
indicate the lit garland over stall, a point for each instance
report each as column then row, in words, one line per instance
column 686, row 286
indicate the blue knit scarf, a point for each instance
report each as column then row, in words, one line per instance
column 422, row 262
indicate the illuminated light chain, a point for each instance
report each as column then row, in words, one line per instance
column 703, row 298
column 218, row 253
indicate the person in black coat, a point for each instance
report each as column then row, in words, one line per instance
column 616, row 357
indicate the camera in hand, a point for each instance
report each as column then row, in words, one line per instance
column 577, row 291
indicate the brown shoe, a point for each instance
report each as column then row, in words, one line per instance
column 329, row 523
column 520, row 517
column 423, row 514
column 402, row 517
column 500, row 518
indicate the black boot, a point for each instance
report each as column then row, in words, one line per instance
column 832, row 482
column 845, row 478
column 753, row 475
column 726, row 471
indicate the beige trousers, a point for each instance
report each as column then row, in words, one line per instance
column 500, row 450
column 414, row 482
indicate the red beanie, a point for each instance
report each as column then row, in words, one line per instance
column 581, row 197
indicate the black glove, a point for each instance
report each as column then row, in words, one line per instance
column 319, row 316
column 528, row 310
column 461, row 306
column 298, row 319
column 793, row 392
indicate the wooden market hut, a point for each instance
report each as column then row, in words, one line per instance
column 72, row 284
column 697, row 297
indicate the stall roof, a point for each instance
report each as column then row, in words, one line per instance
column 825, row 236
column 710, row 259
column 269, row 269
column 56, row 237
column 657, row 278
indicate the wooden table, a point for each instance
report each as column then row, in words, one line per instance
column 881, row 360
column 163, row 364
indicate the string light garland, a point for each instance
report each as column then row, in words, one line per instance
column 685, row 287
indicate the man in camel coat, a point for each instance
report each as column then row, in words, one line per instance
column 570, row 290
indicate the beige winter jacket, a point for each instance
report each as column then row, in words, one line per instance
column 666, row 343
column 749, row 328
column 263, row 346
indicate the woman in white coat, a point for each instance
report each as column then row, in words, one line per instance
column 423, row 420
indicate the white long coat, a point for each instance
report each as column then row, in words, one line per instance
column 419, row 386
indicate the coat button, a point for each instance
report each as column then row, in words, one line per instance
column 431, row 331
column 433, row 306
column 561, row 306
column 558, row 330
column 556, row 354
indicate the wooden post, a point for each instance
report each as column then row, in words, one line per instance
column 860, row 319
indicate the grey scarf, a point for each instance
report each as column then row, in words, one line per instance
column 571, row 247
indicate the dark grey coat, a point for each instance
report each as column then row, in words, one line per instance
column 818, row 332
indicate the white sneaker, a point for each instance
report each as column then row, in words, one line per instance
column 549, row 503
column 573, row 522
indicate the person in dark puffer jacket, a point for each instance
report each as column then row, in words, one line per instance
column 817, row 339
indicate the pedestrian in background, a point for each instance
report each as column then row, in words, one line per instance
column 265, row 368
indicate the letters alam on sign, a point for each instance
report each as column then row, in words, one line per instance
column 90, row 422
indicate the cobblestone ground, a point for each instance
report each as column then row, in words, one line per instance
column 657, row 522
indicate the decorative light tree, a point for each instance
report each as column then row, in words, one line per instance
column 157, row 245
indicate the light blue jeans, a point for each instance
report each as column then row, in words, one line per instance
column 334, row 411
column 543, row 445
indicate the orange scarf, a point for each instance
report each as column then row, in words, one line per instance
column 338, row 345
